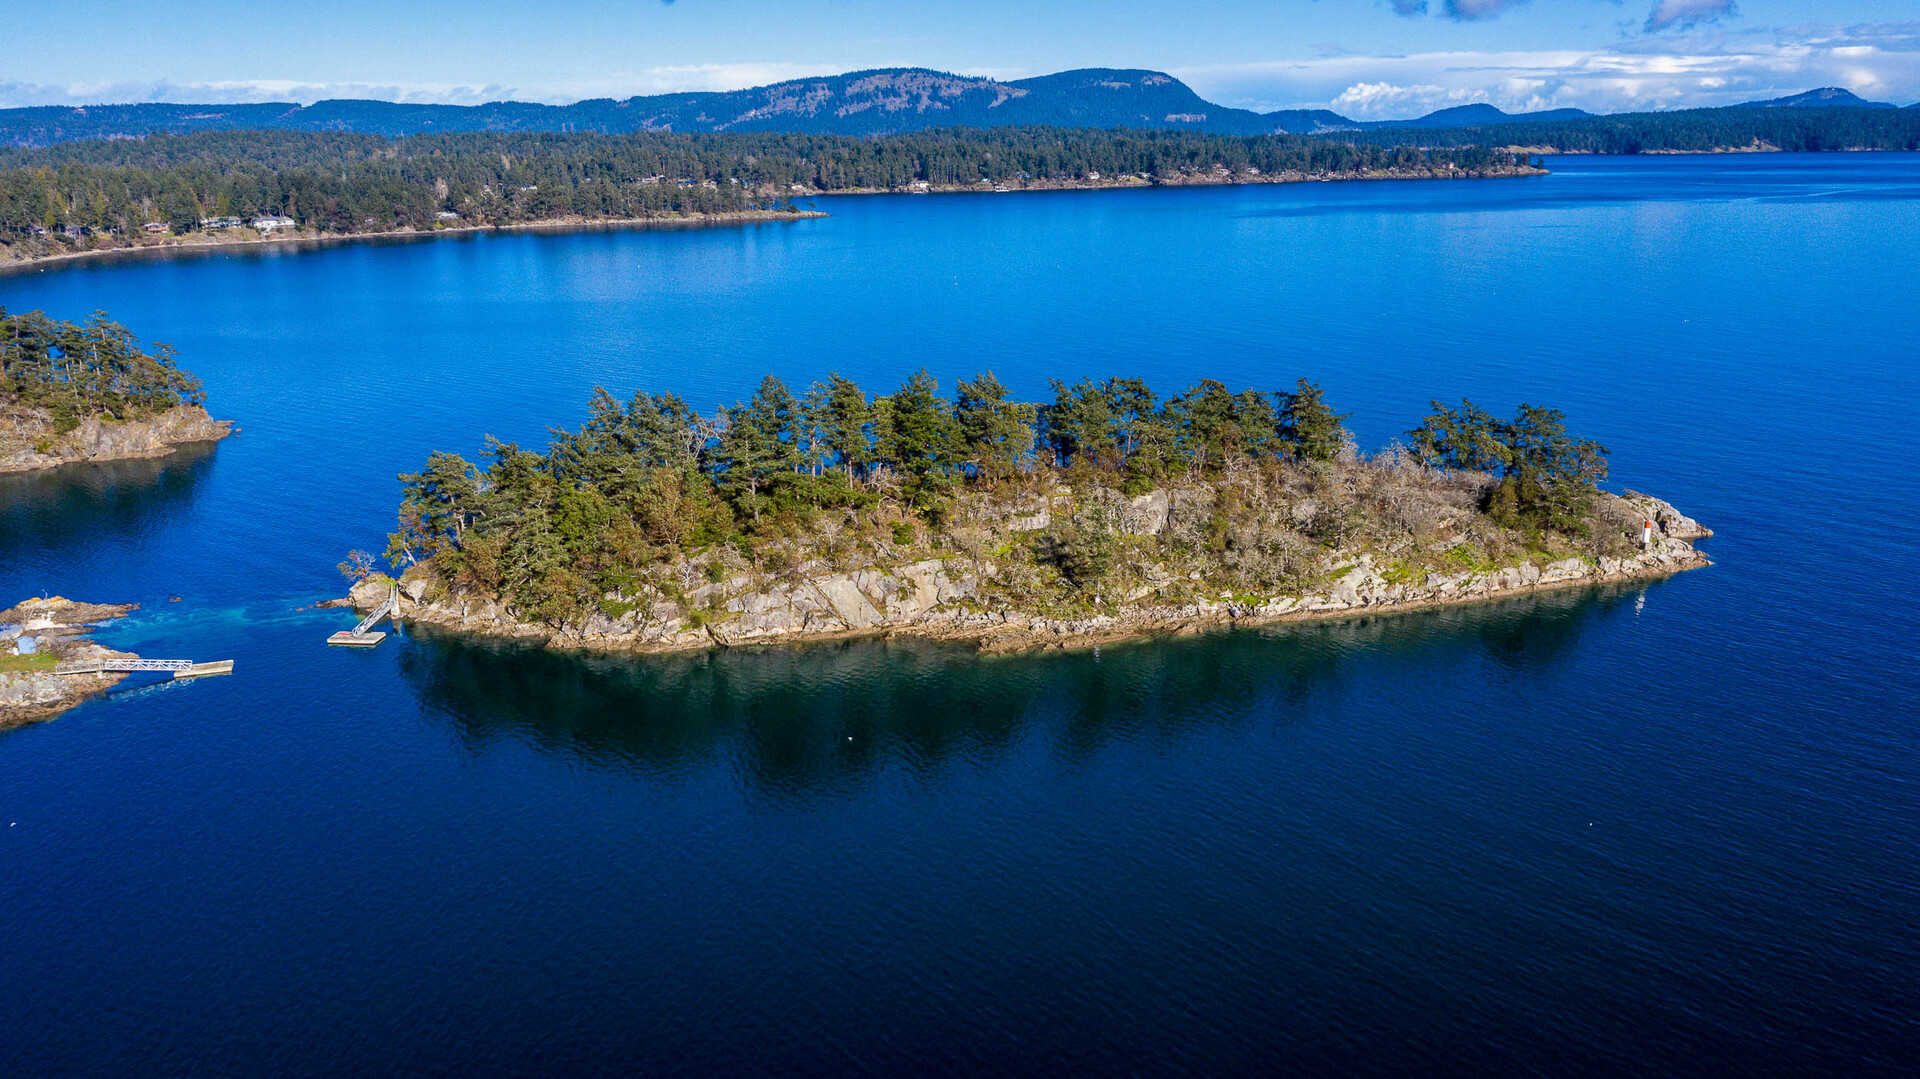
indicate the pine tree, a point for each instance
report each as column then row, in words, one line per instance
column 1311, row 429
column 848, row 416
column 995, row 433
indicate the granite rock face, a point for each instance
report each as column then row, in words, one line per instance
column 1670, row 522
column 957, row 597
column 26, row 689
column 28, row 440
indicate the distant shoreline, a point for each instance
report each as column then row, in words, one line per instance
column 308, row 239
column 191, row 243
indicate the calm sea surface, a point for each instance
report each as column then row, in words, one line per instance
column 1671, row 829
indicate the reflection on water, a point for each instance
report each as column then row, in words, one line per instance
column 820, row 716
column 73, row 505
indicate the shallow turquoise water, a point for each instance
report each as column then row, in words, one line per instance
column 1668, row 828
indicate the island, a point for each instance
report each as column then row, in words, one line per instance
column 1104, row 513
column 36, row 637
column 88, row 199
column 74, row 392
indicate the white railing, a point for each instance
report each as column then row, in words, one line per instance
column 101, row 666
column 390, row 606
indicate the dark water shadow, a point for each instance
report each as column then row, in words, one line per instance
column 63, row 507
column 821, row 717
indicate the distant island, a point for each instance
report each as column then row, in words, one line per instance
column 886, row 101
column 87, row 198
column 86, row 391
column 1104, row 513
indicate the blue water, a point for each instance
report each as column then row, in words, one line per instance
column 1668, row 829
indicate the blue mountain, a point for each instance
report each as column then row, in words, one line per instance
column 1826, row 97
column 878, row 102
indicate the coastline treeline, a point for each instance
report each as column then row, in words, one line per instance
column 347, row 183
column 94, row 368
column 1799, row 130
column 650, row 481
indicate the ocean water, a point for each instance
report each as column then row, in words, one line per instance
column 1662, row 829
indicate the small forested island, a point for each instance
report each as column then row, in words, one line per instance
column 226, row 187
column 1104, row 513
column 87, row 392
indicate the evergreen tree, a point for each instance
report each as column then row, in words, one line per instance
column 1131, row 406
column 921, row 438
column 1079, row 424
column 1205, row 418
column 1311, row 430
column 996, row 434
column 1469, row 439
column 757, row 448
column 845, row 425
column 436, row 505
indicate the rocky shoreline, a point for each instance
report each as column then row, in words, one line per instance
column 30, row 691
column 30, row 441
column 11, row 259
column 1194, row 179
column 945, row 598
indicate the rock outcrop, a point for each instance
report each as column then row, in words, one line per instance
column 954, row 598
column 29, row 688
column 28, row 439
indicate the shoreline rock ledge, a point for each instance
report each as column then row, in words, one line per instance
column 953, row 598
column 29, row 439
column 58, row 629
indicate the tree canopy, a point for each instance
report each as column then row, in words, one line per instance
column 651, row 480
column 348, row 183
column 91, row 368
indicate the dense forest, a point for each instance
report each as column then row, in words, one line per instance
column 1689, row 130
column 362, row 183
column 93, row 368
column 645, row 484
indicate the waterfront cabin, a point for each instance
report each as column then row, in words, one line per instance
column 274, row 221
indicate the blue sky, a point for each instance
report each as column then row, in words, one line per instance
column 1365, row 58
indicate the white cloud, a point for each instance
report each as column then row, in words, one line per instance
column 658, row 80
column 1880, row 62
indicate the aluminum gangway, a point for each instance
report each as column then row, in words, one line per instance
column 179, row 668
column 364, row 635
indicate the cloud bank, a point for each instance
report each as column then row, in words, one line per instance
column 1674, row 71
column 658, row 80
column 1704, row 66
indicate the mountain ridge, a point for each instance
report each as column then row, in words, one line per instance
column 879, row 101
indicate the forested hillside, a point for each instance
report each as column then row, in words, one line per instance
column 342, row 183
column 1689, row 131
column 894, row 101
